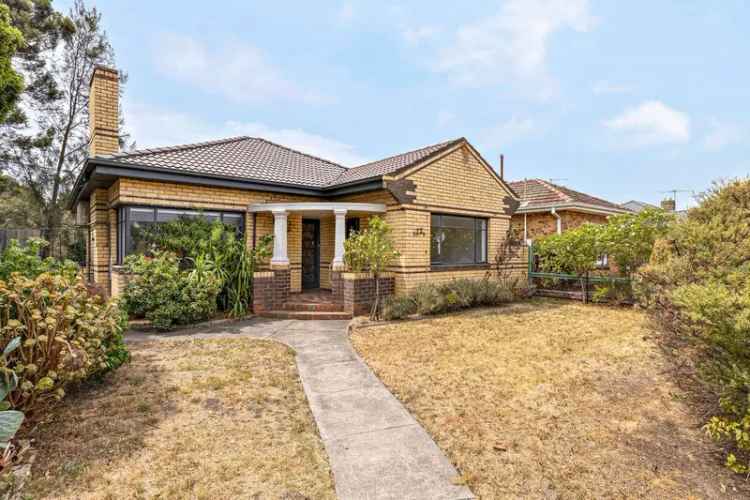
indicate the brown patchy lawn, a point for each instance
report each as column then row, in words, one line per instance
column 550, row 399
column 187, row 419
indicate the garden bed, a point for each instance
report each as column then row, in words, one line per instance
column 186, row 419
column 551, row 399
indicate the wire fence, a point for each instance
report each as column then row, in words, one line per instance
column 601, row 285
column 64, row 242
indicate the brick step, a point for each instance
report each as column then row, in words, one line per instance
column 281, row 314
column 312, row 306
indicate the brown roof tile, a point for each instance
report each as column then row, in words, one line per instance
column 251, row 158
column 536, row 193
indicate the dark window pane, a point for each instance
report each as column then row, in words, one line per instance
column 458, row 240
column 232, row 219
column 352, row 225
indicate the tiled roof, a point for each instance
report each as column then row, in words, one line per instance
column 537, row 193
column 246, row 158
column 393, row 163
column 251, row 158
column 637, row 206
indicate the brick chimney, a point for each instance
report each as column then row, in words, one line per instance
column 104, row 106
column 668, row 205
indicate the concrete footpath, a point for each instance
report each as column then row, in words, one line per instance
column 376, row 448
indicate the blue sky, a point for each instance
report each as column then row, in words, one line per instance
column 620, row 99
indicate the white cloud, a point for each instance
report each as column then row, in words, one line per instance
column 651, row 122
column 237, row 71
column 605, row 87
column 153, row 127
column 722, row 134
column 513, row 44
column 445, row 118
column 506, row 133
column 345, row 14
column 416, row 35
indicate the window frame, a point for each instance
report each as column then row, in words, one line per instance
column 123, row 219
column 483, row 245
column 352, row 225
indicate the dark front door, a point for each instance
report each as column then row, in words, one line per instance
column 310, row 253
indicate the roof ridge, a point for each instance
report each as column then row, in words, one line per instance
column 180, row 147
column 301, row 152
column 441, row 144
column 589, row 196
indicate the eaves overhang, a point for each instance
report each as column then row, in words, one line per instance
column 102, row 172
column 577, row 207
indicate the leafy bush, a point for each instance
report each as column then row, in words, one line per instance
column 26, row 260
column 371, row 249
column 66, row 335
column 458, row 294
column 195, row 239
column 10, row 420
column 166, row 295
column 698, row 286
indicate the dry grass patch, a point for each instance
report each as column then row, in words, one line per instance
column 187, row 419
column 550, row 399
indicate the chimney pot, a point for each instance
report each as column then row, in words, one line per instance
column 502, row 166
column 104, row 108
column 668, row 205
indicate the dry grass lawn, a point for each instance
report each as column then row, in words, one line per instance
column 187, row 419
column 550, row 399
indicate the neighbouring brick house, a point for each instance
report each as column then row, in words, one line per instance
column 449, row 210
column 548, row 208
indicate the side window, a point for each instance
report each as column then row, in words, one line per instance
column 352, row 225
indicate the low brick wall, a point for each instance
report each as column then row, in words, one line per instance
column 337, row 287
column 359, row 291
column 270, row 289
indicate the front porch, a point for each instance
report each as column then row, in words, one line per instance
column 305, row 279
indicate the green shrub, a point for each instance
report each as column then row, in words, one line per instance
column 66, row 334
column 399, row 306
column 697, row 285
column 166, row 295
column 195, row 239
column 427, row 298
column 25, row 259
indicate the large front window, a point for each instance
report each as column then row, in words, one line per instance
column 133, row 220
column 458, row 240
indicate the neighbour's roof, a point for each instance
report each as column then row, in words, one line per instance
column 637, row 206
column 256, row 159
column 538, row 194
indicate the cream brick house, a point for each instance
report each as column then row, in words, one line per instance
column 449, row 210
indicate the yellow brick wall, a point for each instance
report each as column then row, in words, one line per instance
column 459, row 181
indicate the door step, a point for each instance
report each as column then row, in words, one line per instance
column 320, row 315
column 313, row 306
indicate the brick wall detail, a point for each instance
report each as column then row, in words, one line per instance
column 270, row 289
column 359, row 291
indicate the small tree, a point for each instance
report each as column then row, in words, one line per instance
column 628, row 239
column 574, row 251
column 371, row 249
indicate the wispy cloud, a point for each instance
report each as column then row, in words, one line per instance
column 153, row 127
column 513, row 44
column 238, row 71
column 506, row 133
column 345, row 12
column 722, row 134
column 418, row 34
column 605, row 87
column 650, row 123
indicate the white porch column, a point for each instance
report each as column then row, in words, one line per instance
column 280, row 255
column 338, row 248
